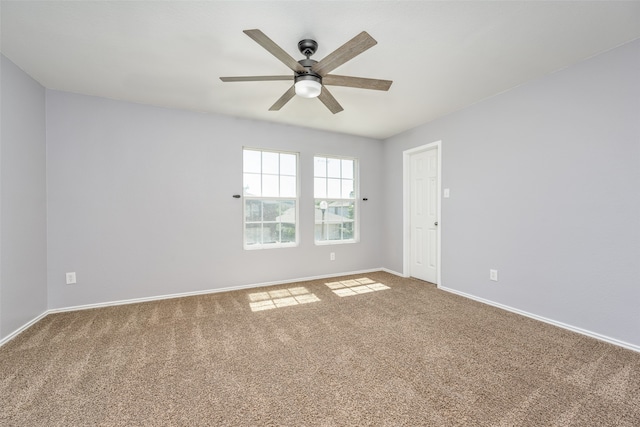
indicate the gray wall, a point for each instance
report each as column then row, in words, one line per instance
column 140, row 201
column 23, row 220
column 544, row 186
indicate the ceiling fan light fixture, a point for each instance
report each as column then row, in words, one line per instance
column 308, row 86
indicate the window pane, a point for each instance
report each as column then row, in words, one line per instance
column 287, row 186
column 333, row 188
column 287, row 211
column 347, row 230
column 287, row 232
column 347, row 169
column 252, row 184
column 253, row 210
column 252, row 234
column 320, row 188
column 270, row 162
column 251, row 161
column 271, row 210
column 347, row 189
column 320, row 166
column 349, row 210
column 319, row 232
column 319, row 215
column 333, row 231
column 288, row 164
column 270, row 233
column 270, row 186
column 333, row 168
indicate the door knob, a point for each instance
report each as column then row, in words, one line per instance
column 435, row 223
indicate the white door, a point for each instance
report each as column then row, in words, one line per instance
column 423, row 182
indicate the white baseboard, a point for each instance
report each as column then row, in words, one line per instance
column 205, row 292
column 545, row 320
column 176, row 295
column 325, row 276
column 395, row 273
column 17, row 332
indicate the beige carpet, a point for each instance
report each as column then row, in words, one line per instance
column 384, row 351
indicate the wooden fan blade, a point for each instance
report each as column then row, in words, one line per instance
column 359, row 82
column 284, row 99
column 329, row 101
column 255, row 78
column 264, row 41
column 347, row 51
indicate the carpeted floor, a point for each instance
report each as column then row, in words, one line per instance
column 385, row 351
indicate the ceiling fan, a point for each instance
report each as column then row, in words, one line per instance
column 311, row 77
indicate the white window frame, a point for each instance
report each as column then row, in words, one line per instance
column 355, row 199
column 296, row 199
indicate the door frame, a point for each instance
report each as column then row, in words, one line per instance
column 406, row 207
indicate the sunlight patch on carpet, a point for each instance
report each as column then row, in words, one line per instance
column 347, row 288
column 268, row 300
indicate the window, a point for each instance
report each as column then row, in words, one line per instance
column 270, row 182
column 335, row 186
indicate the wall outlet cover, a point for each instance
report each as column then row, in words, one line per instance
column 71, row 278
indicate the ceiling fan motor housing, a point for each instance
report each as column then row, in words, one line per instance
column 307, row 74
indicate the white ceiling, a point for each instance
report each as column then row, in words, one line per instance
column 441, row 55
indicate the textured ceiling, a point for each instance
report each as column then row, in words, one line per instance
column 442, row 56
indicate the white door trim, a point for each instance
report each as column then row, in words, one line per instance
column 406, row 207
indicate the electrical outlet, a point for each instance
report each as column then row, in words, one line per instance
column 493, row 275
column 71, row 278
column 332, row 256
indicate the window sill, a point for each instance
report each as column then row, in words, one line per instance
column 335, row 242
column 257, row 246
